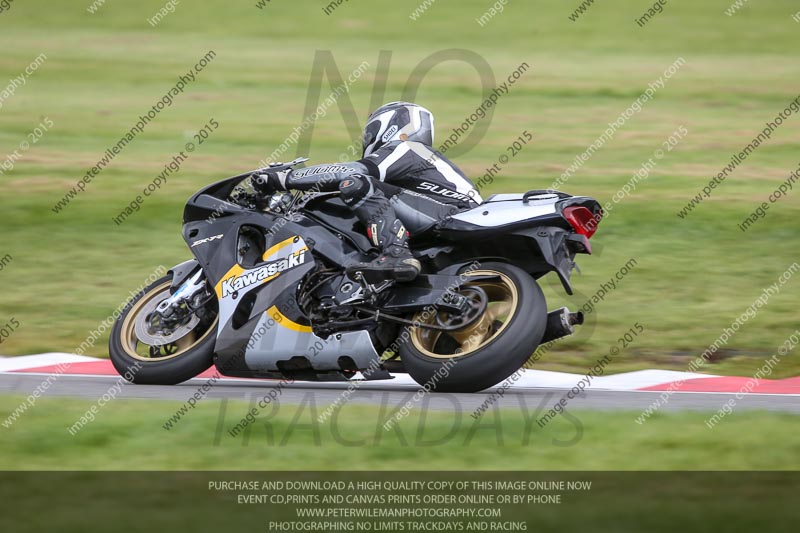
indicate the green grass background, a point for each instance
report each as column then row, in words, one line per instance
column 128, row 435
column 693, row 278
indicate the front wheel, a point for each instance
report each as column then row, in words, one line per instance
column 490, row 349
column 147, row 350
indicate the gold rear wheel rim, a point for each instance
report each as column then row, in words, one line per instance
column 503, row 300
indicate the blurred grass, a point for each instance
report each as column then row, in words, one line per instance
column 291, row 438
column 694, row 276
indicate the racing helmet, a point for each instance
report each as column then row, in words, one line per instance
column 397, row 121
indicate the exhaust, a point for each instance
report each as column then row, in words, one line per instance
column 560, row 324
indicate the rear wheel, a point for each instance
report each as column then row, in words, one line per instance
column 490, row 349
column 147, row 351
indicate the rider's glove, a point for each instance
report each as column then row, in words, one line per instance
column 270, row 181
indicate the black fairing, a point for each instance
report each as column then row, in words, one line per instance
column 329, row 211
column 539, row 245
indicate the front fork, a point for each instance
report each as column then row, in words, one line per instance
column 188, row 299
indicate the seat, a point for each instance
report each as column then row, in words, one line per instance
column 509, row 209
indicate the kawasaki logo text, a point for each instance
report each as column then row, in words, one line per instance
column 261, row 274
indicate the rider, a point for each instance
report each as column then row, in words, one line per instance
column 400, row 182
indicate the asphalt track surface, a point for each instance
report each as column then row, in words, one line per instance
column 377, row 393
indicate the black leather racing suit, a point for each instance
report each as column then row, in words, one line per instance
column 402, row 187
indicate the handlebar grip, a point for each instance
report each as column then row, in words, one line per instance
column 260, row 183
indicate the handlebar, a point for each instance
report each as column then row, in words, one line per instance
column 260, row 183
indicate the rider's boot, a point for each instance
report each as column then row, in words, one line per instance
column 384, row 229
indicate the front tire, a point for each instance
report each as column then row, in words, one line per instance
column 489, row 350
column 166, row 364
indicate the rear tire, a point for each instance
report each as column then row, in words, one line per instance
column 488, row 351
column 193, row 354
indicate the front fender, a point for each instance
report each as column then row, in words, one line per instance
column 181, row 272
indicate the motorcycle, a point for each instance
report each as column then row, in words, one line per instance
column 268, row 295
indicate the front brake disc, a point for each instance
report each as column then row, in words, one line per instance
column 144, row 327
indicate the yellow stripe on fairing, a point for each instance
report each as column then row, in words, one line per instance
column 275, row 249
column 281, row 319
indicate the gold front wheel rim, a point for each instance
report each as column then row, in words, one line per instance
column 130, row 342
column 503, row 300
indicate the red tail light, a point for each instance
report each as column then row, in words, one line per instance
column 582, row 220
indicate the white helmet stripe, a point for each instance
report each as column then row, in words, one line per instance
column 384, row 119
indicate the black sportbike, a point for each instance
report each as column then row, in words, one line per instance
column 268, row 294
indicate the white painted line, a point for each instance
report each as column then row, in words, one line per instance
column 22, row 362
column 380, row 385
column 528, row 379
